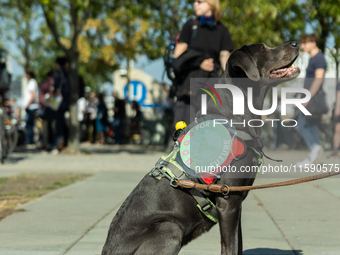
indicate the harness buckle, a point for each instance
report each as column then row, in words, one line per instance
column 163, row 163
column 226, row 193
column 206, row 207
column 156, row 172
column 173, row 182
column 259, row 142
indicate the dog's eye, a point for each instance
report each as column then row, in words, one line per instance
column 263, row 48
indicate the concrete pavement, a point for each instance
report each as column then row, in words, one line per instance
column 300, row 219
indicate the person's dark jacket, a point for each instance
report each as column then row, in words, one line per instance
column 61, row 84
column 119, row 109
column 187, row 66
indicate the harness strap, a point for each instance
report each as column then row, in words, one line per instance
column 276, row 160
column 168, row 163
column 205, row 205
column 166, row 166
column 173, row 173
column 181, row 175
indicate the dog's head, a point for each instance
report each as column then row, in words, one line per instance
column 259, row 62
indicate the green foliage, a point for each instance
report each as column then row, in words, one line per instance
column 325, row 19
column 165, row 20
column 108, row 33
column 22, row 26
column 263, row 21
column 82, row 28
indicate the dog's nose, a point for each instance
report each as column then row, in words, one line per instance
column 294, row 44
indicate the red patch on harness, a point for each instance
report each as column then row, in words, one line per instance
column 237, row 150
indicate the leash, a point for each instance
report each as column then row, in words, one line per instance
column 226, row 189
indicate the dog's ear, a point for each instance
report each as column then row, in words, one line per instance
column 241, row 59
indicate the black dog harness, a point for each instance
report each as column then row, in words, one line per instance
column 205, row 140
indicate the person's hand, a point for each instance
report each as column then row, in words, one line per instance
column 207, row 65
column 305, row 104
column 337, row 111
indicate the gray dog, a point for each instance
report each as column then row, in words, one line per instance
column 159, row 219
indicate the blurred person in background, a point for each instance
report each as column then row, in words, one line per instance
column 31, row 106
column 81, row 104
column 207, row 44
column 315, row 72
column 336, row 138
column 136, row 119
column 46, row 113
column 119, row 118
column 101, row 119
column 61, row 86
column 91, row 116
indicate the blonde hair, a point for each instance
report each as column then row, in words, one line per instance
column 216, row 9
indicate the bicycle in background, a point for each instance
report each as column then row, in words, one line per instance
column 8, row 134
column 8, row 130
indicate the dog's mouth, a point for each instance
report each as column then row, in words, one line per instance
column 286, row 71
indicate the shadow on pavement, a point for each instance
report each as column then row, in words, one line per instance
column 131, row 149
column 269, row 251
column 98, row 149
column 22, row 149
column 14, row 160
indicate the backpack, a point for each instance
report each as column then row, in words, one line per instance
column 170, row 50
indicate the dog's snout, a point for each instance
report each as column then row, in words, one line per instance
column 294, row 44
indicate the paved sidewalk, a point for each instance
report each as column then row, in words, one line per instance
column 300, row 219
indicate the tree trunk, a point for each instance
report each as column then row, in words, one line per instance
column 324, row 34
column 73, row 141
column 336, row 63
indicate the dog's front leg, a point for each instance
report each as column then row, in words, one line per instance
column 229, row 212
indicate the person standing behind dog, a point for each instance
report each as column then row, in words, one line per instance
column 315, row 72
column 336, row 137
column 211, row 39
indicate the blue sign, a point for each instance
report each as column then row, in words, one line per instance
column 137, row 92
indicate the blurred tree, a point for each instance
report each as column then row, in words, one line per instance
column 98, row 36
column 66, row 21
column 129, row 29
column 263, row 21
column 335, row 51
column 21, row 26
column 145, row 27
column 335, row 32
column 166, row 19
column 97, row 59
column 324, row 17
